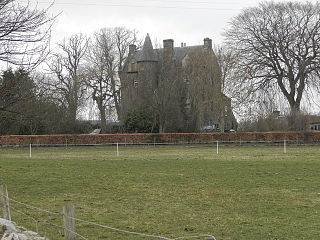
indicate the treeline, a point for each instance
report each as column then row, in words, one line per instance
column 44, row 91
column 28, row 110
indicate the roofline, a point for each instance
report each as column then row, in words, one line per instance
column 180, row 47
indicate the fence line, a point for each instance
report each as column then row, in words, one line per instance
column 239, row 143
column 45, row 223
column 37, row 221
column 216, row 144
column 30, row 206
column 137, row 233
column 62, row 227
column 92, row 223
column 26, row 215
column 190, row 237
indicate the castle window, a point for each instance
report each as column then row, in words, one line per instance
column 132, row 66
column 186, row 80
column 188, row 103
column 135, row 83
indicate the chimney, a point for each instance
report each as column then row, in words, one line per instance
column 168, row 49
column 207, row 43
column 182, row 44
column 132, row 48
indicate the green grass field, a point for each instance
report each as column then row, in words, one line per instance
column 173, row 191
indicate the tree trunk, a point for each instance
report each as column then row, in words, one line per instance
column 294, row 107
column 297, row 120
column 73, row 104
column 72, row 112
column 103, row 121
column 117, row 105
column 116, row 96
column 161, row 128
column 222, row 123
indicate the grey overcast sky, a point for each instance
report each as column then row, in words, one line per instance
column 188, row 21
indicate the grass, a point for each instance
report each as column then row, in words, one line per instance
column 242, row 193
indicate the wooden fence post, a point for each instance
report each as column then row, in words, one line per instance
column 69, row 222
column 5, row 202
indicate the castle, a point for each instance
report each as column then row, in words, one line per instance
column 181, row 84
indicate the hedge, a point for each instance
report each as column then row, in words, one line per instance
column 137, row 138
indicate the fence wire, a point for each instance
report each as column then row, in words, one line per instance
column 90, row 223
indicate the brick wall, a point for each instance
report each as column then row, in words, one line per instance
column 159, row 138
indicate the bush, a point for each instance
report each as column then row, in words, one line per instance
column 141, row 120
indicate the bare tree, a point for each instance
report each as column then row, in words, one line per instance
column 202, row 75
column 24, row 41
column 227, row 60
column 67, row 84
column 278, row 50
column 247, row 105
column 123, row 39
column 165, row 103
column 106, row 56
column 24, row 34
column 100, row 72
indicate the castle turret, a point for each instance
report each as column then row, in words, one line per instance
column 147, row 62
column 147, row 53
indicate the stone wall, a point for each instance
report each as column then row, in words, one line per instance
column 10, row 231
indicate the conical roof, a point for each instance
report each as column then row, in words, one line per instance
column 147, row 53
